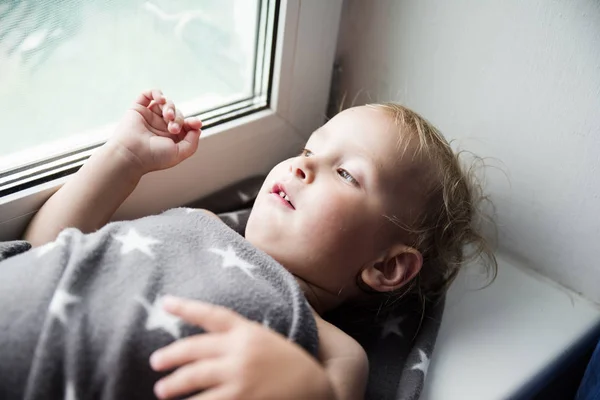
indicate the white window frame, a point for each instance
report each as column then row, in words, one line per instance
column 247, row 146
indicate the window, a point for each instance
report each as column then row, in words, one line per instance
column 281, row 52
column 70, row 69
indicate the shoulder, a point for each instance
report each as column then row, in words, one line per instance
column 336, row 343
column 344, row 360
column 209, row 213
column 186, row 212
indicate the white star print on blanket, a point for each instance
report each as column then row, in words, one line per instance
column 158, row 318
column 244, row 197
column 60, row 301
column 60, row 241
column 392, row 325
column 230, row 259
column 70, row 392
column 423, row 365
column 134, row 241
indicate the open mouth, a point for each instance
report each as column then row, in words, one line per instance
column 279, row 190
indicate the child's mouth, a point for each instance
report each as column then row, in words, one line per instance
column 279, row 191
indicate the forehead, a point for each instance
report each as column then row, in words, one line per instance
column 367, row 131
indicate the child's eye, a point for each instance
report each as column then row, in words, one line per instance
column 346, row 176
column 306, row 153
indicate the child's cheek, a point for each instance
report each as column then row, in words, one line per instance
column 334, row 214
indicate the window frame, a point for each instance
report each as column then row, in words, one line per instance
column 246, row 146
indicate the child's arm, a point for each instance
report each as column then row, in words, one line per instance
column 88, row 199
column 238, row 358
column 151, row 136
column 345, row 361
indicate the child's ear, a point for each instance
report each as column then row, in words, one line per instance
column 397, row 268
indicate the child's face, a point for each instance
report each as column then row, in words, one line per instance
column 339, row 188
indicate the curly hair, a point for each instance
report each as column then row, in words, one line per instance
column 447, row 231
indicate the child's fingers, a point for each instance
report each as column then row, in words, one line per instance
column 186, row 350
column 176, row 125
column 156, row 108
column 179, row 117
column 189, row 144
column 158, row 96
column 148, row 96
column 155, row 100
column 192, row 123
column 191, row 378
column 210, row 317
column 148, row 115
column 168, row 111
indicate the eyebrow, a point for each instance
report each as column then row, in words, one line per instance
column 376, row 165
column 373, row 171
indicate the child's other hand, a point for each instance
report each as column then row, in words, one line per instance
column 235, row 359
column 154, row 133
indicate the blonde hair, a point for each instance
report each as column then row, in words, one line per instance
column 447, row 231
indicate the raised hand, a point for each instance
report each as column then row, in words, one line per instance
column 154, row 133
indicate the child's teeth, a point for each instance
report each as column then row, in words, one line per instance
column 283, row 195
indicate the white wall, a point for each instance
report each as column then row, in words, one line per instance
column 510, row 79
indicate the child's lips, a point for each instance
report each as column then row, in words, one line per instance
column 279, row 188
column 282, row 201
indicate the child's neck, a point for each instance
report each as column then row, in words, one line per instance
column 320, row 300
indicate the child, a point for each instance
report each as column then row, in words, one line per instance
column 375, row 204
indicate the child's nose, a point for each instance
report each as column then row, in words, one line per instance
column 301, row 170
column 299, row 173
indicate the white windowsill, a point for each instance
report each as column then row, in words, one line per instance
column 499, row 342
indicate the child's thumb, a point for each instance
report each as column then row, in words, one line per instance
column 189, row 144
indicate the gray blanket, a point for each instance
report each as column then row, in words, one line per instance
column 80, row 316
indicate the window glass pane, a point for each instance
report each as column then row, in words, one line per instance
column 71, row 66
